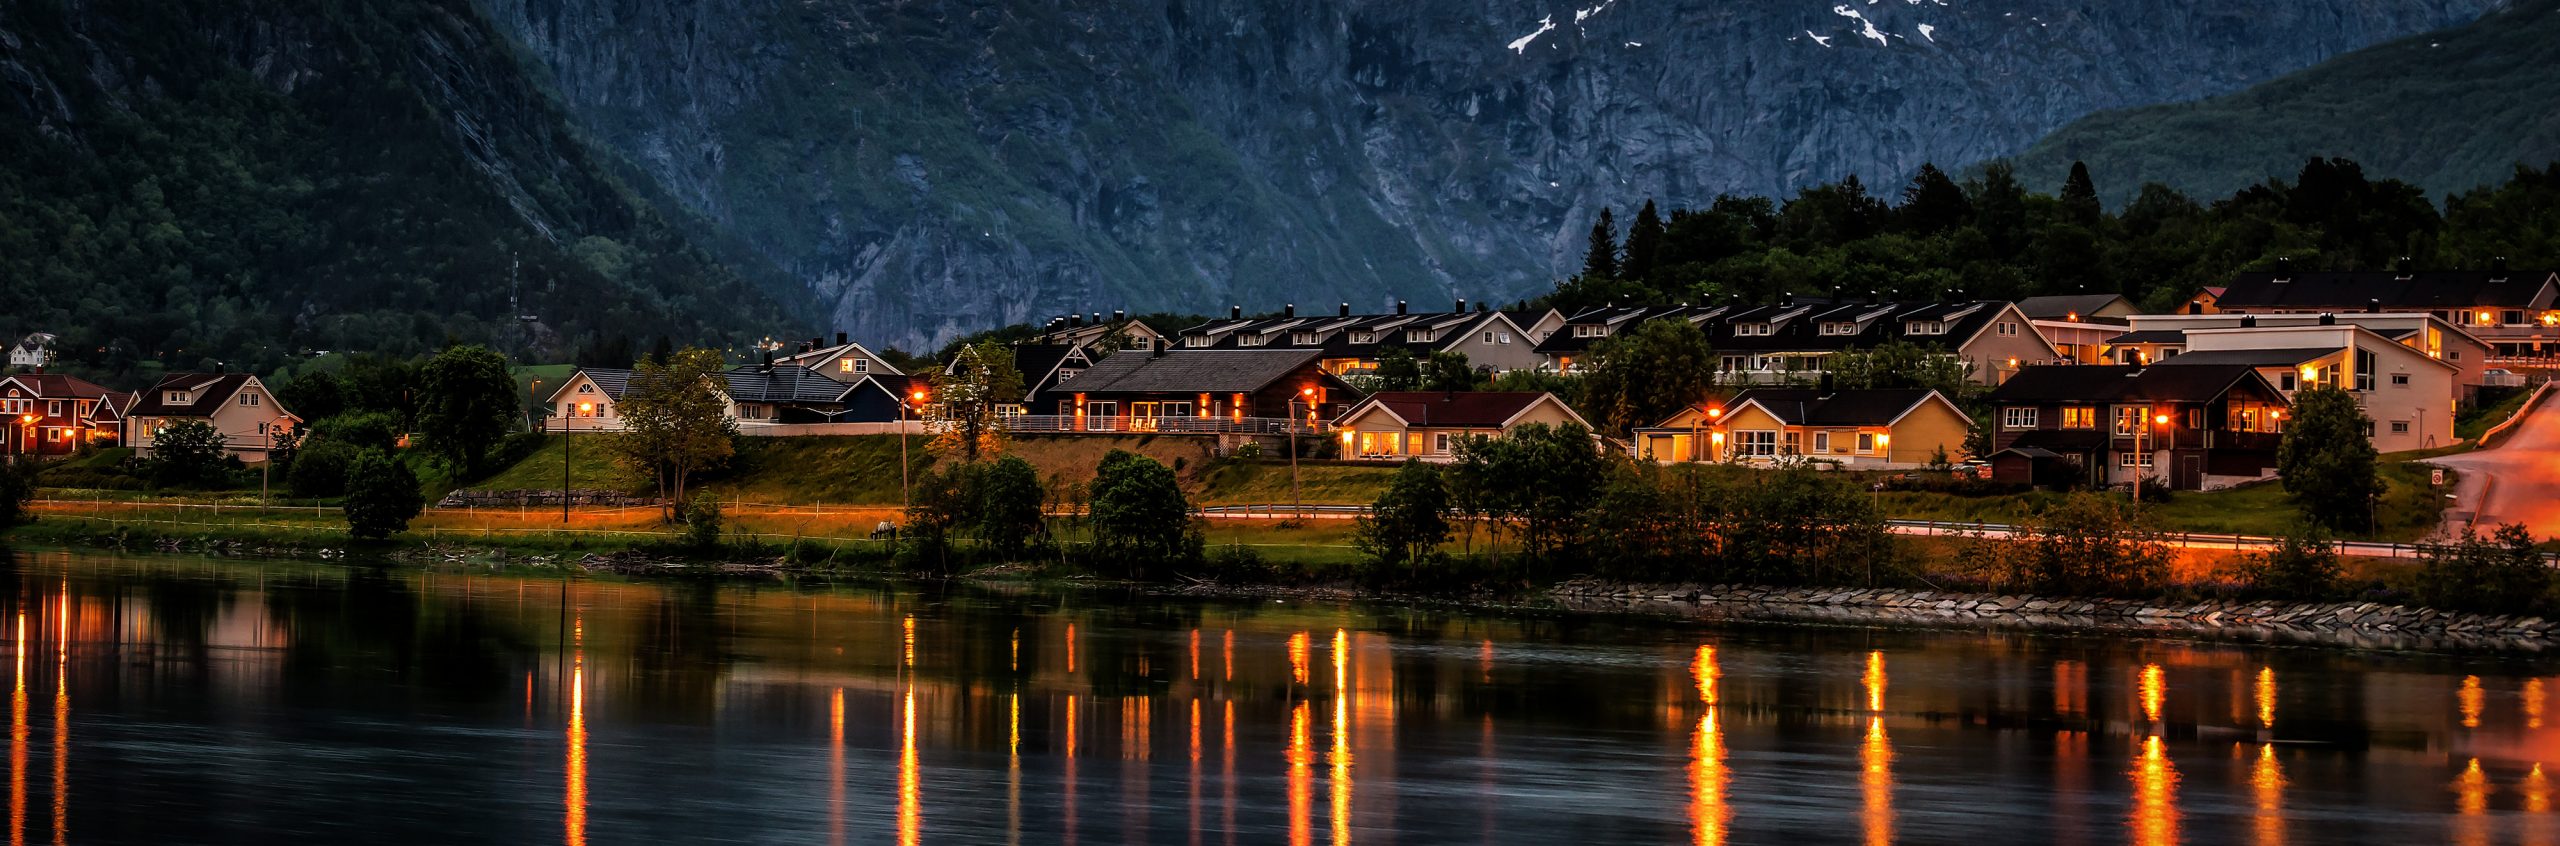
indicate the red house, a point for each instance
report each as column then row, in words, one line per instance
column 46, row 413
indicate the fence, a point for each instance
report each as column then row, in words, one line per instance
column 1132, row 424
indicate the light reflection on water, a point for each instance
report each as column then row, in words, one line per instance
column 244, row 702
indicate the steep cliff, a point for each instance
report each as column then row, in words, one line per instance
column 936, row 165
column 236, row 180
column 2447, row 111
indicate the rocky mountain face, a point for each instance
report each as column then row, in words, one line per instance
column 931, row 166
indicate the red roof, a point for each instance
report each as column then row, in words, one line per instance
column 1464, row 409
column 58, row 386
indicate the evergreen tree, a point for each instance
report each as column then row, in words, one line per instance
column 2080, row 198
column 1644, row 245
column 2327, row 460
column 1601, row 261
column 2000, row 209
column 1933, row 203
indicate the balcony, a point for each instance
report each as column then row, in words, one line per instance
column 1089, row 424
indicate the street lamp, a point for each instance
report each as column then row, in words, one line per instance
column 1297, row 503
column 906, row 498
column 1712, row 414
column 2144, row 455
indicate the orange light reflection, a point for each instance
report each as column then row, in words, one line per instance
column 2471, row 700
column 910, row 777
column 2266, row 694
column 1708, row 815
column 1704, row 670
column 2155, row 794
column 1339, row 786
column 2266, row 780
column 2471, row 799
column 2155, row 692
column 1875, row 781
column 1301, row 776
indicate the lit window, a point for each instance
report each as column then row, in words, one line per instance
column 2079, row 417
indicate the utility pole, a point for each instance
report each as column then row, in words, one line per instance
column 564, row 472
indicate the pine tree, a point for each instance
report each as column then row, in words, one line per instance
column 1644, row 245
column 1933, row 203
column 2000, row 208
column 2080, row 197
column 1601, row 263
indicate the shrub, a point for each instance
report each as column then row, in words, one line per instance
column 187, row 453
column 319, row 468
column 2501, row 573
column 2086, row 544
column 2303, row 566
column 702, row 519
column 382, row 495
column 18, row 479
column 1238, row 563
column 2327, row 463
column 1408, row 523
column 1009, row 500
column 1141, row 520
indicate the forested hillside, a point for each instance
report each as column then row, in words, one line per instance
column 237, row 181
column 1992, row 237
column 2449, row 110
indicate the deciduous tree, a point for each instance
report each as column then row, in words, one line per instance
column 1407, row 524
column 2327, row 460
column 981, row 378
column 466, row 403
column 675, row 421
column 1645, row 373
column 382, row 495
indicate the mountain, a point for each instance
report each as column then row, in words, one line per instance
column 925, row 167
column 2448, row 110
column 230, row 182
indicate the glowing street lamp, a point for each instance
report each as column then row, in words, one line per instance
column 1297, row 503
column 906, row 496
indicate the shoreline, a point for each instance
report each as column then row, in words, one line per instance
column 2356, row 625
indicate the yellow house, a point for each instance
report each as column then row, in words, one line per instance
column 1864, row 428
column 1429, row 424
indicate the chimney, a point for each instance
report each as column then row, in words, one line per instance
column 221, row 367
column 2248, row 321
column 2405, row 263
column 2498, row 264
column 1786, row 298
column 2195, row 308
column 1118, row 315
column 1075, row 321
column 2327, row 319
column 840, row 339
column 2373, row 306
column 1462, row 306
column 1346, row 309
column 768, row 361
column 1097, row 318
column 1289, row 310
column 1159, row 353
column 1400, row 307
column 1829, row 387
column 1235, row 312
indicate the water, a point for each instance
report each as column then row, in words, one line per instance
column 169, row 700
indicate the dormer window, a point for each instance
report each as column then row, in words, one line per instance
column 1754, row 329
column 1586, row 330
column 178, row 397
column 1252, row 340
column 1421, row 336
column 1364, row 337
column 1839, row 329
column 1304, row 339
column 1924, row 327
column 1196, row 341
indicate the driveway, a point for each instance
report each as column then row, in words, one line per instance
column 2518, row 481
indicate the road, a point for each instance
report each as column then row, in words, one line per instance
column 2517, row 481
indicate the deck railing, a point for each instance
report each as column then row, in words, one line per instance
column 1126, row 424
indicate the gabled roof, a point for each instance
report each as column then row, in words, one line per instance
column 56, row 386
column 1458, row 410
column 1185, row 371
column 2064, row 306
column 831, row 353
column 111, row 406
column 783, row 383
column 1815, row 407
column 611, row 380
column 206, row 393
column 2346, row 290
column 2105, row 383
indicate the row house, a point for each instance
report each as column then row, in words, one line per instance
column 1792, row 342
column 2197, row 426
column 49, row 414
column 1195, row 390
column 2160, row 337
column 1429, row 425
column 2516, row 312
column 1883, row 428
column 1353, row 344
column 1043, row 366
column 2079, row 325
column 238, row 405
column 1077, row 330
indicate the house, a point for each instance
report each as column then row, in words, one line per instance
column 2516, row 312
column 2207, row 301
column 46, row 413
column 2160, row 337
column 105, row 423
column 1195, row 391
column 237, row 405
column 1075, row 330
column 2078, row 325
column 771, row 394
column 1566, row 348
column 2198, row 426
column 752, row 396
column 1790, row 342
column 1042, row 366
column 844, row 361
column 1888, row 427
column 1354, row 344
column 2409, row 393
column 1429, row 425
column 586, row 401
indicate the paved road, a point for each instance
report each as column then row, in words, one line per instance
column 2517, row 481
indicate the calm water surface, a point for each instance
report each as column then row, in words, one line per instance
column 179, row 700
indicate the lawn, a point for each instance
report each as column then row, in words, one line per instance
column 1262, row 482
column 2494, row 407
column 2410, row 508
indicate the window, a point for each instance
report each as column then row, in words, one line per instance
column 1924, row 327
column 249, row 399
column 1010, row 409
column 1195, row 340
column 1753, row 329
column 1505, row 336
column 1364, row 337
column 1756, row 442
column 1305, row 339
column 2365, row 365
column 1252, row 340
column 2512, row 317
column 53, row 408
column 2453, row 354
column 1589, row 331
column 1440, row 442
column 1065, row 374
column 1821, row 442
column 262, row 427
column 2133, row 459
column 2285, row 382
column 586, row 389
column 2368, row 428
column 178, row 398
column 2018, row 418
column 853, row 365
column 2079, row 417
column 2128, row 420
column 1177, row 409
column 2399, row 427
column 2399, row 380
column 1421, row 336
column 1867, row 442
column 1839, row 329
column 2010, row 329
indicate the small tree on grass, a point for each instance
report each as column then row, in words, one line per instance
column 702, row 520
column 1140, row 518
column 18, row 479
column 382, row 495
column 675, row 421
column 1537, row 482
column 942, row 501
column 1408, row 523
column 2501, row 573
column 2327, row 462
column 466, row 403
column 188, row 452
column 2302, row 566
column 1009, row 506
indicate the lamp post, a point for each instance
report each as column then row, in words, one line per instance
column 906, row 496
column 2144, row 455
column 1712, row 414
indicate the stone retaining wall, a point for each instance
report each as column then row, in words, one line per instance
column 551, row 498
column 2358, row 624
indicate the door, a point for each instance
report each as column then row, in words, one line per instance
column 2190, row 472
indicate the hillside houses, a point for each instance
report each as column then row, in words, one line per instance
column 1352, row 344
column 1790, row 342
